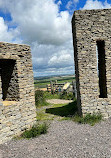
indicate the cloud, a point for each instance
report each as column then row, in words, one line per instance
column 55, row 71
column 72, row 4
column 40, row 21
column 95, row 4
column 59, row 3
column 51, row 57
column 63, row 59
column 6, row 34
column 46, row 29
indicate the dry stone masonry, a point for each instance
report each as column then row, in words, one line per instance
column 17, row 103
column 92, row 52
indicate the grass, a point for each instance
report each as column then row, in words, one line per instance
column 40, row 99
column 69, row 112
column 62, row 111
column 48, row 95
column 67, row 96
column 66, row 110
column 42, row 116
column 41, row 83
column 35, row 131
column 91, row 119
column 41, row 96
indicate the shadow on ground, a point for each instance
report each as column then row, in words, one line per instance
column 67, row 110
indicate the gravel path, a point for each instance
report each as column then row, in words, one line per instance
column 59, row 101
column 65, row 139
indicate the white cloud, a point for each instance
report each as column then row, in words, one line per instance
column 75, row 1
column 69, row 4
column 95, row 4
column 46, row 29
column 60, row 60
column 59, row 3
column 50, row 57
column 41, row 21
column 72, row 4
column 6, row 34
column 55, row 71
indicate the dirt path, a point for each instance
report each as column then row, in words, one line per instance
column 59, row 101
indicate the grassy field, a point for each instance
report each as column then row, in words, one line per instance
column 62, row 112
column 42, row 82
column 47, row 111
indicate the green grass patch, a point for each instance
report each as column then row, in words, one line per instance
column 63, row 110
column 35, row 131
column 40, row 99
column 48, row 95
column 88, row 118
column 42, row 116
column 42, row 96
column 64, row 95
column 69, row 112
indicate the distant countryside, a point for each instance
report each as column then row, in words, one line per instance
column 42, row 82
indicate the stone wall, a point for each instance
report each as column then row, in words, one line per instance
column 89, row 27
column 17, row 101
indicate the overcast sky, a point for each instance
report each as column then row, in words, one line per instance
column 45, row 25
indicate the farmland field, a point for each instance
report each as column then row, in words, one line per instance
column 43, row 81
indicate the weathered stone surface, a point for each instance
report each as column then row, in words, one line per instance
column 88, row 27
column 17, row 101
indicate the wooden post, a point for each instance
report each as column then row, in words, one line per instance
column 51, row 85
column 55, row 85
column 74, row 89
column 47, row 88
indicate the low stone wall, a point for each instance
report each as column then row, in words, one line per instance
column 14, row 118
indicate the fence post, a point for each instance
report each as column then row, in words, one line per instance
column 55, row 81
column 47, row 88
column 74, row 89
column 51, row 85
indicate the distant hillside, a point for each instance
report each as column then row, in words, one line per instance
column 53, row 76
column 41, row 82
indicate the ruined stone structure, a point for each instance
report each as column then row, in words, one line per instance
column 92, row 52
column 17, row 103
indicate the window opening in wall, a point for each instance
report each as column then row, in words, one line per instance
column 9, row 81
column 102, row 68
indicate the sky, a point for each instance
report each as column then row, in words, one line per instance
column 45, row 25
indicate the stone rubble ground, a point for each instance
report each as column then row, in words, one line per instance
column 65, row 139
